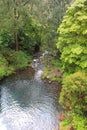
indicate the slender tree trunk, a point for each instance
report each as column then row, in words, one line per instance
column 16, row 41
column 15, row 31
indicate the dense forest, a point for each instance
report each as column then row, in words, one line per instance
column 58, row 26
column 25, row 28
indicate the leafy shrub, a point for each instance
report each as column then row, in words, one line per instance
column 73, row 95
column 20, row 60
column 4, row 68
column 6, row 38
column 75, row 121
column 80, row 122
column 11, row 60
column 56, row 63
column 52, row 75
column 3, row 61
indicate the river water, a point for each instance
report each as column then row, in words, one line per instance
column 27, row 102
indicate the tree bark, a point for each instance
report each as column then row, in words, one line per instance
column 15, row 31
column 16, row 41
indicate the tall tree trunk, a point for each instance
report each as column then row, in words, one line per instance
column 15, row 31
column 16, row 41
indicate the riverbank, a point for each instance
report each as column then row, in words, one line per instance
column 52, row 75
column 34, row 101
column 52, row 71
column 11, row 61
column 29, row 72
column 65, row 123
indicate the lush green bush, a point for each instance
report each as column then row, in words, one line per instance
column 6, row 38
column 72, row 41
column 73, row 95
column 5, row 70
column 56, row 63
column 11, row 61
column 75, row 121
column 3, row 66
column 73, row 98
column 80, row 122
column 16, row 59
column 52, row 71
column 20, row 60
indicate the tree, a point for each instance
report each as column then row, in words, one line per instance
column 46, row 13
column 72, row 40
column 11, row 17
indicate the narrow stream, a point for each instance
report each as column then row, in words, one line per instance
column 27, row 103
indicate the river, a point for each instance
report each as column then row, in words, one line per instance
column 27, row 102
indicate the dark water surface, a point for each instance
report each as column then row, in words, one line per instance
column 27, row 103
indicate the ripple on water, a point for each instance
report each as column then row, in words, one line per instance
column 27, row 104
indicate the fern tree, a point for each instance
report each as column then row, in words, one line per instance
column 72, row 40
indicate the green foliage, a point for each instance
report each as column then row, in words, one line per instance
column 67, row 121
column 52, row 69
column 30, row 36
column 11, row 61
column 20, row 60
column 80, row 122
column 49, row 13
column 73, row 96
column 5, row 70
column 6, row 38
column 3, row 66
column 76, row 121
column 56, row 63
column 19, row 29
column 72, row 40
column 52, row 75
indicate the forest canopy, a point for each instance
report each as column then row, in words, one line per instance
column 27, row 27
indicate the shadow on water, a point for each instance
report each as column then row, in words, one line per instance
column 27, row 103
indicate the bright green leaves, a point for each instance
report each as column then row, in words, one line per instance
column 79, row 122
column 75, row 56
column 77, row 50
column 72, row 40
